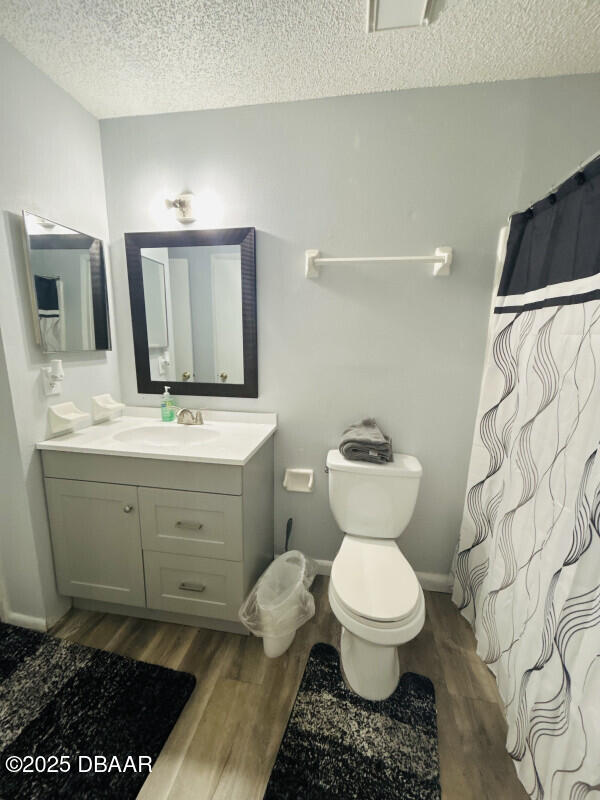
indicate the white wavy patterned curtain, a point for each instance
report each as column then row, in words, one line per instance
column 527, row 572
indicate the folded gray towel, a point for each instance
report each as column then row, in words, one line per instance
column 364, row 441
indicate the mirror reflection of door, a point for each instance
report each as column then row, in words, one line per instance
column 202, row 297
column 183, row 351
column 156, row 302
column 227, row 318
column 88, row 336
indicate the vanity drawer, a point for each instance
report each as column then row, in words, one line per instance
column 191, row 523
column 206, row 587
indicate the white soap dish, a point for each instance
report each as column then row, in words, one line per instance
column 66, row 418
column 299, row 480
column 105, row 408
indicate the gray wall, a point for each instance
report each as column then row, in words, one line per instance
column 563, row 129
column 50, row 164
column 19, row 567
column 385, row 174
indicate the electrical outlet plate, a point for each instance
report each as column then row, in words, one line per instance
column 50, row 384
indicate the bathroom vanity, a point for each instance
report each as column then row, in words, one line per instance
column 160, row 520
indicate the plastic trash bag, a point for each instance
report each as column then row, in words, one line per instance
column 280, row 602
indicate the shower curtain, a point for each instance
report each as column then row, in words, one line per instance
column 527, row 570
column 51, row 312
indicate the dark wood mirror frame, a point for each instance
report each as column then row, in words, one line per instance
column 245, row 237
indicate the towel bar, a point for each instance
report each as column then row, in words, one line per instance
column 441, row 260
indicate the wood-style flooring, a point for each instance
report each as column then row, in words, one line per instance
column 225, row 742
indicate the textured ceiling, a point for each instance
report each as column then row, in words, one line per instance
column 122, row 57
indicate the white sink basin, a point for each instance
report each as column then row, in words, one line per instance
column 172, row 434
column 227, row 437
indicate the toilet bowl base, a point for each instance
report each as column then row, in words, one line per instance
column 371, row 670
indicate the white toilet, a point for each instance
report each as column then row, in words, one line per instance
column 373, row 590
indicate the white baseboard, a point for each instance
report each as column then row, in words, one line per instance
column 430, row 581
column 25, row 621
column 435, row 582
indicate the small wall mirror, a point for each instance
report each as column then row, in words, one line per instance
column 67, row 283
column 193, row 310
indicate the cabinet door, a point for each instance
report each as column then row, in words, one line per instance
column 95, row 531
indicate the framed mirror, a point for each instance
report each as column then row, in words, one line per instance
column 193, row 311
column 67, row 284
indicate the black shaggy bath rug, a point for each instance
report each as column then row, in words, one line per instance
column 338, row 746
column 70, row 716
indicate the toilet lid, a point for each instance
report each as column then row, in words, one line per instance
column 374, row 580
column 402, row 465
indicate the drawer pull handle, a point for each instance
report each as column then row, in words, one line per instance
column 192, row 587
column 192, row 526
column 128, row 509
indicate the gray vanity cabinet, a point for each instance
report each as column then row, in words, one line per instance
column 179, row 541
column 96, row 540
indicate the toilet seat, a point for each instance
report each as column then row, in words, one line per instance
column 374, row 582
column 388, row 634
column 388, row 625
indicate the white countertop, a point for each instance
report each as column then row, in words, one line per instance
column 227, row 437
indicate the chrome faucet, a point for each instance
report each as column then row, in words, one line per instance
column 185, row 416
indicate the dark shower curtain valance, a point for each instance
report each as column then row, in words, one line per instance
column 553, row 250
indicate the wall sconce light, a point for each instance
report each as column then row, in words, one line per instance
column 184, row 207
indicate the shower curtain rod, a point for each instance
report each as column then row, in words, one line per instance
column 581, row 165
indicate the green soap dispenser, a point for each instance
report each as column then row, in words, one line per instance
column 167, row 406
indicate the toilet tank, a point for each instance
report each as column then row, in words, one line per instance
column 375, row 500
